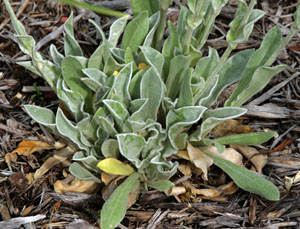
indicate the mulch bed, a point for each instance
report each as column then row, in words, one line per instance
column 36, row 205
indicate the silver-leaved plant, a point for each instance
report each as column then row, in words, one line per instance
column 134, row 101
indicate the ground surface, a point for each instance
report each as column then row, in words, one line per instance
column 277, row 109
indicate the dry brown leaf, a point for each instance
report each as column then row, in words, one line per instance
column 133, row 196
column 200, row 159
column 297, row 177
column 233, row 156
column 75, row 185
column 229, row 188
column 26, row 148
column 289, row 181
column 59, row 156
column 106, row 178
column 30, row 178
column 207, row 192
column 185, row 169
column 11, row 157
column 259, row 161
column 230, row 127
column 26, row 211
column 175, row 191
column 111, row 187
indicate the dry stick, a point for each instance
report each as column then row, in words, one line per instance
column 54, row 34
column 270, row 92
column 20, row 11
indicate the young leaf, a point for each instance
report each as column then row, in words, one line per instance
column 151, row 88
column 115, row 167
column 247, row 179
column 71, row 46
column 136, row 31
column 114, row 209
column 72, row 74
column 116, row 30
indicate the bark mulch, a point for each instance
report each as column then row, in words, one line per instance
column 36, row 205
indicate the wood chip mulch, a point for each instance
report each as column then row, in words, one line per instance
column 36, row 205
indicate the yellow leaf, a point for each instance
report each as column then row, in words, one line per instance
column 114, row 166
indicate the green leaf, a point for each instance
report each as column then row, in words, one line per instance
column 206, row 65
column 131, row 146
column 72, row 74
column 264, row 56
column 118, row 111
column 89, row 161
column 244, row 139
column 116, row 30
column 212, row 118
column 161, row 185
column 72, row 100
column 186, row 93
column 177, row 122
column 42, row 115
column 136, row 31
column 138, row 6
column 260, row 79
column 181, row 24
column 110, row 148
column 153, row 24
column 96, row 75
column 81, row 173
column 240, row 29
column 151, row 88
column 154, row 58
column 230, row 73
column 178, row 66
column 247, row 179
column 114, row 208
column 170, row 44
column 56, row 56
column 297, row 17
column 120, row 87
column 95, row 60
column 68, row 130
column 71, row 46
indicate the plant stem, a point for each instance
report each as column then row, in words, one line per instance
column 223, row 59
column 160, row 29
column 187, row 40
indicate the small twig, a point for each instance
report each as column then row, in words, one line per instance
column 32, row 89
column 270, row 92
